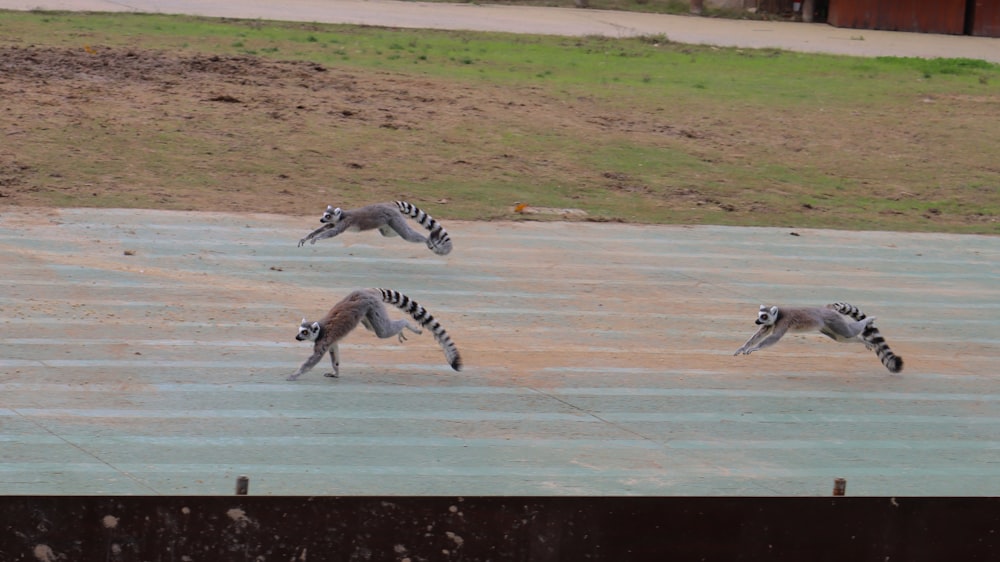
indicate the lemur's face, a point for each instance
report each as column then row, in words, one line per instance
column 767, row 316
column 307, row 331
column 331, row 215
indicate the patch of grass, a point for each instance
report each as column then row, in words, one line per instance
column 641, row 129
column 931, row 67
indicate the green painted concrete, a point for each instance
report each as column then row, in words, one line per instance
column 599, row 361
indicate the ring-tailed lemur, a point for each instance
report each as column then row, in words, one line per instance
column 840, row 321
column 365, row 306
column 388, row 219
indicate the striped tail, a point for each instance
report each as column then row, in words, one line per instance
column 439, row 242
column 872, row 337
column 848, row 309
column 420, row 314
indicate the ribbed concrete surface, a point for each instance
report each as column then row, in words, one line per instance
column 599, row 361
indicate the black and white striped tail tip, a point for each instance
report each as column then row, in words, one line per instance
column 894, row 363
column 456, row 363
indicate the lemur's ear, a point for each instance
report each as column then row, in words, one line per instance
column 774, row 310
column 763, row 308
column 314, row 328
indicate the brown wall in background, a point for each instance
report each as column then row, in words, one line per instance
column 985, row 16
column 939, row 16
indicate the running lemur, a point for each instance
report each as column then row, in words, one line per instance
column 388, row 219
column 365, row 306
column 840, row 321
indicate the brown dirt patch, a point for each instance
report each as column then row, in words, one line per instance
column 242, row 133
column 135, row 128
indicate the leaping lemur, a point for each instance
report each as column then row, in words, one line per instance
column 840, row 321
column 365, row 306
column 388, row 219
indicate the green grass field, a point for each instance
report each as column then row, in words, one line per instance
column 639, row 130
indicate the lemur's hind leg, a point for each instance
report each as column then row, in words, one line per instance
column 399, row 226
column 845, row 331
column 439, row 245
column 371, row 328
column 387, row 231
column 867, row 325
column 858, row 327
column 377, row 320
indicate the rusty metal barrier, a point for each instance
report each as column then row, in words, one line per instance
column 133, row 528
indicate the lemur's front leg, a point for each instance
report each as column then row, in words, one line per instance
column 767, row 336
column 753, row 339
column 312, row 235
column 331, row 230
column 318, row 354
column 752, row 344
column 335, row 360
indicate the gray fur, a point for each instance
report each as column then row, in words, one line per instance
column 872, row 337
column 439, row 241
column 388, row 219
column 830, row 321
column 365, row 307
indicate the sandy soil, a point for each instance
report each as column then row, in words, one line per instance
column 134, row 128
column 245, row 123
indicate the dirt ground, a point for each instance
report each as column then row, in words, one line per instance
column 49, row 91
column 152, row 129
column 244, row 126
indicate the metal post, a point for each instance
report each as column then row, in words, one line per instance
column 839, row 486
column 242, row 485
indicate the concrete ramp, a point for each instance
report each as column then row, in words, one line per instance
column 145, row 352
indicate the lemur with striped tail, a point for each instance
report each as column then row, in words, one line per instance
column 365, row 307
column 388, row 218
column 840, row 321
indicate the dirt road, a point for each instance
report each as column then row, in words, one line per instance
column 560, row 21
